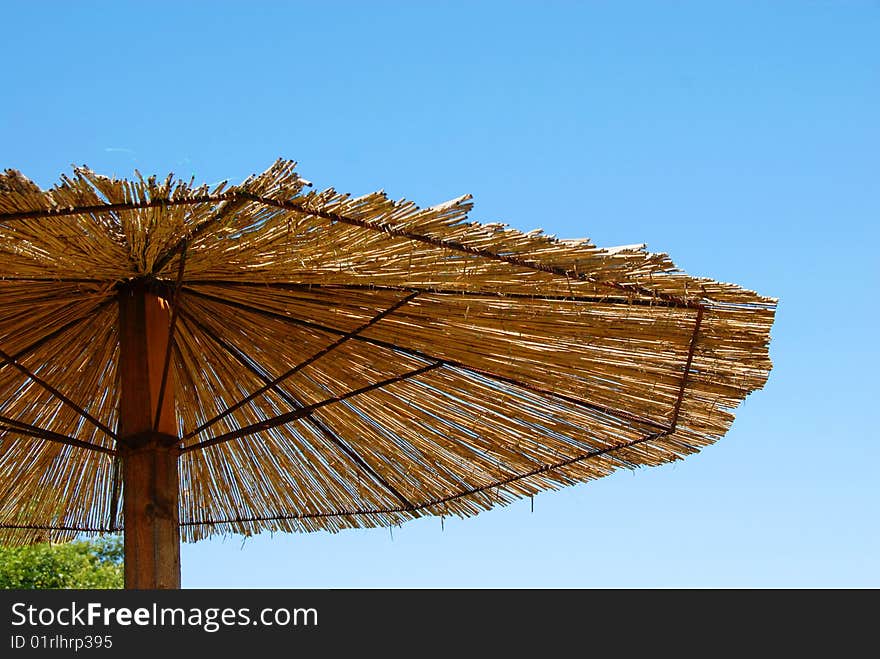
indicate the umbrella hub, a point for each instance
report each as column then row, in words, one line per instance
column 147, row 284
column 147, row 440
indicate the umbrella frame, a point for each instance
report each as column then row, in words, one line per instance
column 149, row 438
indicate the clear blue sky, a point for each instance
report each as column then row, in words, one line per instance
column 742, row 138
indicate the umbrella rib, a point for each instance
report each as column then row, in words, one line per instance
column 345, row 336
column 466, row 249
column 38, row 527
column 687, row 370
column 596, row 407
column 438, row 291
column 52, row 280
column 115, row 207
column 10, row 359
column 29, row 430
column 269, row 314
column 334, row 437
column 282, row 419
column 364, row 224
column 458, row 495
column 294, row 402
column 622, row 414
column 175, row 307
column 39, row 342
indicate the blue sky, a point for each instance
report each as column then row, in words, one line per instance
column 739, row 137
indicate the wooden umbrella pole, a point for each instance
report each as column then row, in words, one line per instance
column 149, row 450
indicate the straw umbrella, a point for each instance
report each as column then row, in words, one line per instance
column 180, row 361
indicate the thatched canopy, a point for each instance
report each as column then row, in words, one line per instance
column 345, row 361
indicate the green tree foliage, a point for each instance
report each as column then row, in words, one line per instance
column 79, row 564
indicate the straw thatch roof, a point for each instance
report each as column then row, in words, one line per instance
column 345, row 361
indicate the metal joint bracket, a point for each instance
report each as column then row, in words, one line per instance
column 148, row 440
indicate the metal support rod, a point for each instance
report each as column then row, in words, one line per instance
column 616, row 298
column 464, row 248
column 282, row 419
column 687, row 370
column 36, row 379
column 328, row 433
column 56, row 332
column 301, row 365
column 28, row 430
